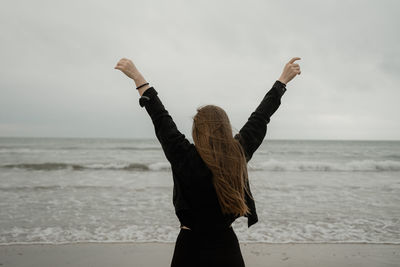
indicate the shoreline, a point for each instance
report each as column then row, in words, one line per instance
column 160, row 254
column 169, row 242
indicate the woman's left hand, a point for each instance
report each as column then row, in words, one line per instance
column 126, row 66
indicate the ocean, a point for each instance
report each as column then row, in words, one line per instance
column 71, row 190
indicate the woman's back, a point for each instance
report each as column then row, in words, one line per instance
column 205, row 187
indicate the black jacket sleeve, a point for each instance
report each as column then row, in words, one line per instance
column 252, row 134
column 174, row 144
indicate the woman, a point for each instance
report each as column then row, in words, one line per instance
column 211, row 186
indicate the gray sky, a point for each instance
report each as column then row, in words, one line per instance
column 57, row 59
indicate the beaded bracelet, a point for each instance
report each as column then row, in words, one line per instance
column 142, row 85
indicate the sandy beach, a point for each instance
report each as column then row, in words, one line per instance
column 160, row 254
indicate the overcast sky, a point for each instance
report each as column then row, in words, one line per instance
column 57, row 59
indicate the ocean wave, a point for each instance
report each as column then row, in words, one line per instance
column 318, row 166
column 19, row 149
column 393, row 156
column 128, row 241
column 51, row 166
column 107, row 148
column 270, row 165
column 51, row 187
column 304, row 233
column 44, row 166
column 35, row 188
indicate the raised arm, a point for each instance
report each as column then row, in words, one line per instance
column 252, row 134
column 174, row 144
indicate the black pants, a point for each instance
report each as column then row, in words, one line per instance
column 208, row 249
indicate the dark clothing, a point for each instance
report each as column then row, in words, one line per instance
column 194, row 196
column 219, row 249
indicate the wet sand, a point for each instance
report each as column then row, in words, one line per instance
column 160, row 254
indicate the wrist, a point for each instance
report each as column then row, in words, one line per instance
column 282, row 81
column 138, row 79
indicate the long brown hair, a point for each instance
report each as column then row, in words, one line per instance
column 224, row 156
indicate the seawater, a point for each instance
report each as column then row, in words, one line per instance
column 67, row 190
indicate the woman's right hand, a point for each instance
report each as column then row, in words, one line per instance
column 290, row 70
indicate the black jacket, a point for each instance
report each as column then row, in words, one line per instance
column 194, row 196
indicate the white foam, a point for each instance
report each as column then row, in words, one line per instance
column 158, row 166
column 355, row 165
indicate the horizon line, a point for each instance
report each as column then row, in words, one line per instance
column 155, row 138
